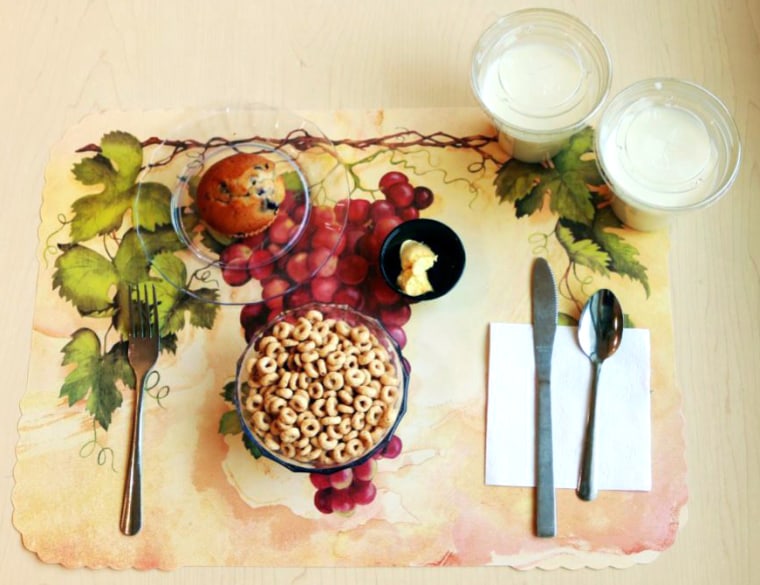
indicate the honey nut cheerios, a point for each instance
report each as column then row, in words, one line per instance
column 320, row 391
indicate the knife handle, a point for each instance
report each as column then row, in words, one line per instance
column 546, row 516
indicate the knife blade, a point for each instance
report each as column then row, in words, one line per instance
column 544, row 305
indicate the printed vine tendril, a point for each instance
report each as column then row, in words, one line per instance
column 540, row 243
column 583, row 282
column 110, row 238
column 52, row 249
column 153, row 388
column 204, row 275
column 102, row 454
column 434, row 169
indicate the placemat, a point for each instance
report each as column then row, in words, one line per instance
column 207, row 500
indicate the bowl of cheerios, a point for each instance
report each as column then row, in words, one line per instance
column 321, row 388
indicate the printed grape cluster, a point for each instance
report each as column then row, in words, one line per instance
column 334, row 260
column 328, row 263
column 342, row 491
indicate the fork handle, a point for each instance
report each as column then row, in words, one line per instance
column 131, row 507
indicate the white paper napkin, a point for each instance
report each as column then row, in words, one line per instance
column 623, row 428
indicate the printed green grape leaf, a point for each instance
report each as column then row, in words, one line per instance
column 85, row 278
column 105, row 397
column 98, row 214
column 585, row 252
column 126, row 153
column 251, row 447
column 292, row 181
column 576, row 168
column 170, row 321
column 84, row 351
column 130, row 260
column 171, row 269
column 570, row 197
column 582, row 229
column 163, row 239
column 153, row 207
column 95, row 376
column 176, row 305
column 164, row 272
column 531, row 203
column 623, row 256
column 95, row 171
column 103, row 212
column 564, row 181
column 169, row 343
column 215, row 241
column 517, row 179
column 202, row 307
column 578, row 157
column 228, row 392
column 229, row 423
column 164, row 297
column 200, row 313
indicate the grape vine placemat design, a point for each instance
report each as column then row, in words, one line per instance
column 208, row 498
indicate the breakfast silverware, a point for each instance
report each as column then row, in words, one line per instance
column 142, row 352
column 544, row 305
column 600, row 331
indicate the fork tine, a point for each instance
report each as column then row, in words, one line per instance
column 143, row 311
column 133, row 311
column 153, row 314
column 140, row 311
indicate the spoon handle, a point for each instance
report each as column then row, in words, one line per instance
column 586, row 483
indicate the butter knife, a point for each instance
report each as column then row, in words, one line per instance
column 544, row 303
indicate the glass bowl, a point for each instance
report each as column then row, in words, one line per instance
column 321, row 388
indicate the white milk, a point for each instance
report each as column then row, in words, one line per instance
column 540, row 75
column 535, row 86
column 665, row 146
column 661, row 156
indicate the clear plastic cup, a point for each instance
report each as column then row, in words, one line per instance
column 540, row 75
column 665, row 146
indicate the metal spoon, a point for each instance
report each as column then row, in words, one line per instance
column 600, row 330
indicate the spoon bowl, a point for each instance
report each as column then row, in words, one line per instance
column 600, row 331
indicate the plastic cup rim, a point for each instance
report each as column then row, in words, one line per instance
column 567, row 129
column 729, row 125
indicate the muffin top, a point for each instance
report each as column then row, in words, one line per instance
column 240, row 195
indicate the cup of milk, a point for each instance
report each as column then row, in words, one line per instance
column 541, row 75
column 665, row 146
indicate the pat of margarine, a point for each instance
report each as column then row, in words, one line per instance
column 416, row 259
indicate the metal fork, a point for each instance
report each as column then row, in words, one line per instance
column 142, row 353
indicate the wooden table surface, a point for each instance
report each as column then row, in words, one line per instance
column 62, row 60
